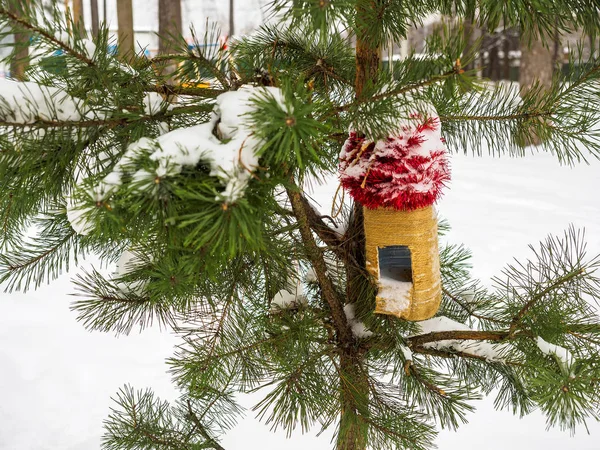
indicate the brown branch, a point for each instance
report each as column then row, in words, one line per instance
column 169, row 90
column 315, row 255
column 220, row 325
column 325, row 233
column 446, row 353
column 398, row 91
column 428, row 384
column 42, row 255
column 112, row 298
column 505, row 118
column 44, row 123
column 209, row 440
column 460, row 335
column 535, row 298
column 191, row 56
column 238, row 350
column 28, row 26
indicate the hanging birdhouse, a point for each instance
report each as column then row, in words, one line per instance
column 397, row 180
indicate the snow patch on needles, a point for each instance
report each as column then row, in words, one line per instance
column 127, row 263
column 358, row 328
column 561, row 353
column 491, row 352
column 27, row 102
column 232, row 154
column 226, row 143
column 288, row 299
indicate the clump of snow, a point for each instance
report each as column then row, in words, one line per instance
column 394, row 295
column 358, row 328
column 408, row 355
column 78, row 218
column 26, row 102
column 469, row 296
column 153, row 103
column 127, row 263
column 491, row 352
column 563, row 355
column 311, row 276
column 288, row 299
column 405, row 171
column 232, row 154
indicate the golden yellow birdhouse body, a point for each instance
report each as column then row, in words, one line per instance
column 402, row 254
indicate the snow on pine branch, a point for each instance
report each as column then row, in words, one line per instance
column 358, row 328
column 561, row 353
column 227, row 143
column 28, row 102
column 491, row 352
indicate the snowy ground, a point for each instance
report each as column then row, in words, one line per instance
column 56, row 378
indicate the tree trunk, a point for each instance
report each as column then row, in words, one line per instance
column 78, row 13
column 169, row 24
column 537, row 66
column 125, row 21
column 20, row 60
column 494, row 59
column 95, row 17
column 353, row 429
column 231, row 19
column 470, row 35
column 506, row 51
column 354, row 387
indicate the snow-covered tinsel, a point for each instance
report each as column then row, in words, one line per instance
column 405, row 171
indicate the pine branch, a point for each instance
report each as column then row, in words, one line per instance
column 169, row 90
column 540, row 296
column 326, row 234
column 462, row 335
column 209, row 440
column 401, row 90
column 316, row 258
column 111, row 123
column 22, row 23
column 468, row 310
column 190, row 56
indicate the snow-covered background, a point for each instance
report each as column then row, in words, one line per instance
column 56, row 379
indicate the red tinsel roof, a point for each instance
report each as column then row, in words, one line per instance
column 405, row 172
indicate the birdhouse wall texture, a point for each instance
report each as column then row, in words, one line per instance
column 416, row 229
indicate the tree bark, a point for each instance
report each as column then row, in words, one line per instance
column 506, row 51
column 354, row 392
column 20, row 60
column 537, row 66
column 95, row 17
column 169, row 24
column 78, row 13
column 125, row 21
column 470, row 34
column 231, row 19
column 354, row 386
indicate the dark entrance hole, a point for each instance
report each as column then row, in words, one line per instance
column 395, row 263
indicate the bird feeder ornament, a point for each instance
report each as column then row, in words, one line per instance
column 397, row 180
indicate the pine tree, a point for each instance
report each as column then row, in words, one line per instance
column 206, row 216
